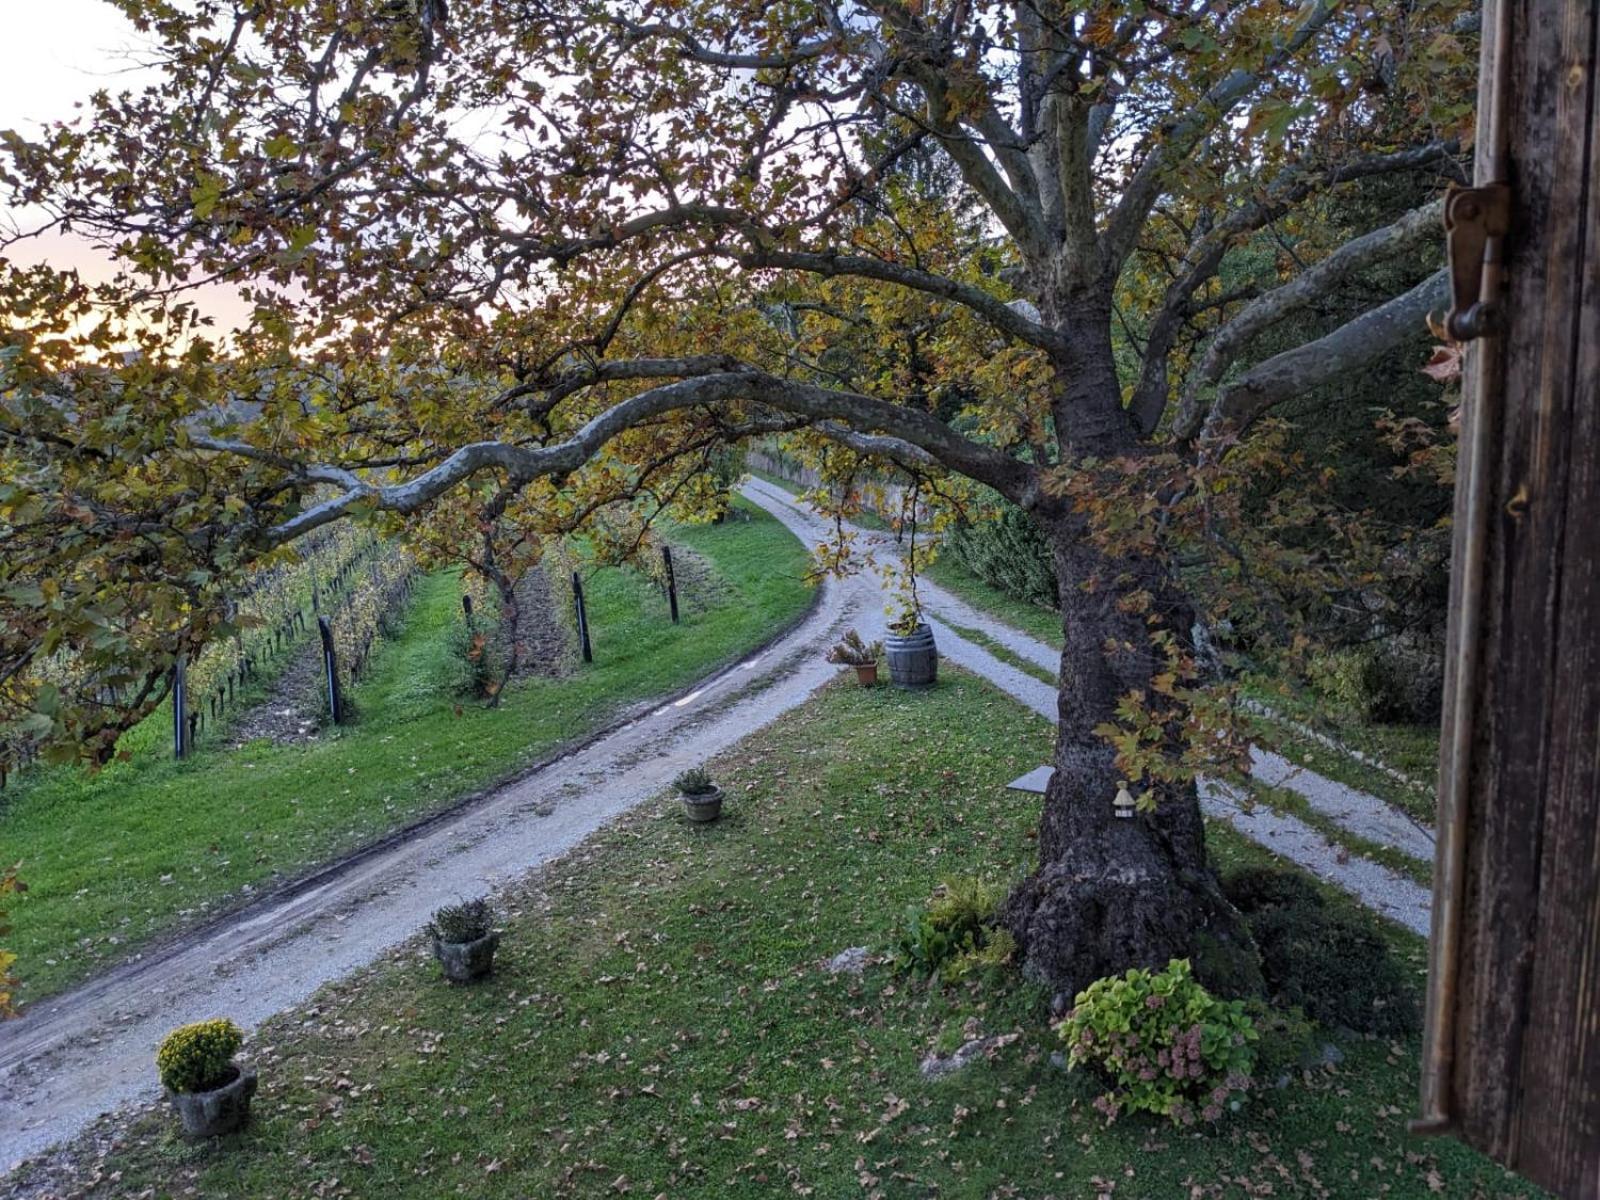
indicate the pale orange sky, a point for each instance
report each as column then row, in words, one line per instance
column 54, row 53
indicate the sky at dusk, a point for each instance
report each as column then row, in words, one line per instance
column 54, row 53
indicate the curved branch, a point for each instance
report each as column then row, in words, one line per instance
column 1261, row 314
column 700, row 52
column 883, row 447
column 1346, row 349
column 994, row 310
column 1206, row 253
column 1010, row 477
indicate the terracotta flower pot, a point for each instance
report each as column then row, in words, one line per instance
column 867, row 673
column 221, row 1110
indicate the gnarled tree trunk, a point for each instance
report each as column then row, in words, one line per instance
column 1112, row 893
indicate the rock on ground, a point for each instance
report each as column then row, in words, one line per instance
column 849, row 962
column 935, row 1067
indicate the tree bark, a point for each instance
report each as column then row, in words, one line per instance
column 1110, row 892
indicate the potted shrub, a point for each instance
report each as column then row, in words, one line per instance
column 206, row 1087
column 851, row 651
column 464, row 940
column 702, row 798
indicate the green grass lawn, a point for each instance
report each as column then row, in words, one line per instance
column 1411, row 749
column 1019, row 614
column 659, row 1024
column 116, row 859
column 1004, row 653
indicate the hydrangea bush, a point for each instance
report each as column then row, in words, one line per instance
column 1165, row 1044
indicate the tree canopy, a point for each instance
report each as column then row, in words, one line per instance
column 566, row 247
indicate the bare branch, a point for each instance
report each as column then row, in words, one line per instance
column 1014, row 198
column 1346, row 349
column 1181, row 134
column 1260, row 315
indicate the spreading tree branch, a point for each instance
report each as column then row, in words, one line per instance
column 1348, row 348
column 522, row 463
column 1181, row 134
column 1310, row 285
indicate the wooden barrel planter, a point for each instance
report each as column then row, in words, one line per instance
column 913, row 659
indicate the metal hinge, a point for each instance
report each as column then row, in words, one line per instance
column 1476, row 221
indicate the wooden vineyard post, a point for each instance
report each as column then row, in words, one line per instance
column 330, row 670
column 672, row 582
column 1511, row 1054
column 466, row 607
column 583, row 618
column 181, row 737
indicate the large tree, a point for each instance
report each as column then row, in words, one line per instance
column 560, row 244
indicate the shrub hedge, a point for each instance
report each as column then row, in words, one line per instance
column 1009, row 553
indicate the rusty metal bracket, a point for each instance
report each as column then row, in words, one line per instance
column 1476, row 221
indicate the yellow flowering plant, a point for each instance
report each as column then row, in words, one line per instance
column 195, row 1058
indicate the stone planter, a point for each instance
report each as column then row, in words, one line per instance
column 704, row 807
column 867, row 674
column 464, row 962
column 221, row 1110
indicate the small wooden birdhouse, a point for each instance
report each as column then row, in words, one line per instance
column 1124, row 802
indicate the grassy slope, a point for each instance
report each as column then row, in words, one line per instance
column 1019, row 614
column 1410, row 749
column 114, row 860
column 659, row 1024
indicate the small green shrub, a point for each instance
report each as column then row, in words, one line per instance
column 1330, row 964
column 1251, row 889
column 695, row 782
column 988, row 961
column 476, row 659
column 1163, row 1043
column 1340, row 676
column 951, row 935
column 460, row 923
column 726, row 469
column 1008, row 553
column 1335, row 968
column 1287, row 1038
column 196, row 1058
column 1397, row 680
